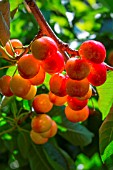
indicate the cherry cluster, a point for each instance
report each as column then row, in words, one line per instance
column 70, row 83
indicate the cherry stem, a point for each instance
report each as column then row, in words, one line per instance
column 108, row 67
column 45, row 29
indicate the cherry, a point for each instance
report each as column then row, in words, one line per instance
column 58, row 84
column 88, row 94
column 75, row 88
column 41, row 123
column 39, row 78
column 17, row 46
column 43, row 47
column 31, row 93
column 97, row 74
column 76, row 116
column 57, row 100
column 77, row 68
column 19, row 86
column 54, row 63
column 51, row 132
column 42, row 104
column 37, row 137
column 93, row 51
column 28, row 66
column 5, row 86
column 75, row 103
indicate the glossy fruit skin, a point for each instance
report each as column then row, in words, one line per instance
column 28, row 66
column 97, row 74
column 77, row 68
column 58, row 84
column 43, row 47
column 41, row 123
column 88, row 94
column 15, row 43
column 76, row 116
column 93, row 51
column 39, row 78
column 37, row 138
column 51, row 132
column 5, row 86
column 42, row 104
column 76, row 104
column 57, row 100
column 75, row 88
column 19, row 86
column 53, row 63
column 31, row 93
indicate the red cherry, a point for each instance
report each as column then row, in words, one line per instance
column 93, row 51
column 97, row 74
column 77, row 68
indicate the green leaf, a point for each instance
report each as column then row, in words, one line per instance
column 14, row 5
column 58, row 158
column 105, row 96
column 46, row 81
column 106, row 137
column 11, row 70
column 107, row 3
column 69, row 160
column 37, row 158
column 75, row 133
column 23, row 144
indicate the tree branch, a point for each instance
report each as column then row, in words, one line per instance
column 46, row 30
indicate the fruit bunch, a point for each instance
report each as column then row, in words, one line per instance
column 43, row 128
column 71, row 82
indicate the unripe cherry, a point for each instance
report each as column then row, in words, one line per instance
column 37, row 138
column 57, row 100
column 76, row 116
column 51, row 132
column 42, row 104
column 39, row 78
column 17, row 47
column 28, row 66
column 19, row 86
column 5, row 86
column 41, row 123
column 31, row 93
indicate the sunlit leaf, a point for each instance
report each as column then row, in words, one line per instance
column 14, row 5
column 106, row 137
column 105, row 96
